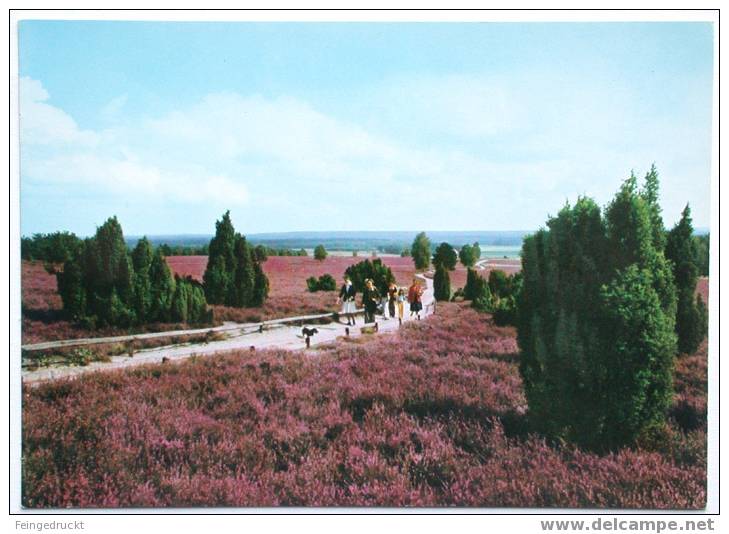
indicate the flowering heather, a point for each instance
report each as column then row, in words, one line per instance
column 433, row 415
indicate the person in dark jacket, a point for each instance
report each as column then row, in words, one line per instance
column 346, row 297
column 370, row 299
column 391, row 298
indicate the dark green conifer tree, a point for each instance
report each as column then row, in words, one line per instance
column 162, row 289
column 244, row 277
column 446, row 256
column 441, row 283
column 219, row 275
column 141, row 262
column 691, row 315
column 595, row 321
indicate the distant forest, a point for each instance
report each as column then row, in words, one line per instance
column 55, row 247
column 389, row 242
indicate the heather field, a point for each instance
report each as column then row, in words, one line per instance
column 431, row 416
column 42, row 319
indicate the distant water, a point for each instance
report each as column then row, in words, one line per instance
column 500, row 251
column 490, row 252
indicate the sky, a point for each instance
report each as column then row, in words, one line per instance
column 355, row 126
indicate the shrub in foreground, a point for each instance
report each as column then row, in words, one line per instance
column 596, row 321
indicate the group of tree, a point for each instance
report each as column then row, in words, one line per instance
column 375, row 270
column 325, row 282
column 234, row 276
column 102, row 283
column 469, row 254
column 264, row 251
column 183, row 250
column 57, row 247
column 498, row 295
column 599, row 316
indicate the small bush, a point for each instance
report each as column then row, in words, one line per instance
column 325, row 282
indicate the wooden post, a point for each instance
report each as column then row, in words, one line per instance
column 346, row 331
column 308, row 342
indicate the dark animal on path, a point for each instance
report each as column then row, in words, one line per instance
column 165, row 359
column 308, row 332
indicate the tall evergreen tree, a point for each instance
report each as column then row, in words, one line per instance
column 70, row 283
column 691, row 315
column 234, row 275
column 162, row 289
column 441, row 283
column 476, row 287
column 420, row 251
column 141, row 262
column 260, row 285
column 649, row 193
column 219, row 275
column 244, row 277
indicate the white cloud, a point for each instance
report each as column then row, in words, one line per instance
column 455, row 152
column 55, row 151
column 44, row 124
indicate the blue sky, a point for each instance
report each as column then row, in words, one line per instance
column 355, row 126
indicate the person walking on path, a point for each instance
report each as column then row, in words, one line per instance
column 400, row 304
column 370, row 299
column 346, row 297
column 391, row 298
column 415, row 294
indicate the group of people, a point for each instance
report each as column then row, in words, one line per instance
column 393, row 301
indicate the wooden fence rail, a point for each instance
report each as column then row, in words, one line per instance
column 260, row 326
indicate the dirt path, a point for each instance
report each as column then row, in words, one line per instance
column 280, row 336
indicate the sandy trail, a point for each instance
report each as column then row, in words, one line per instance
column 282, row 336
